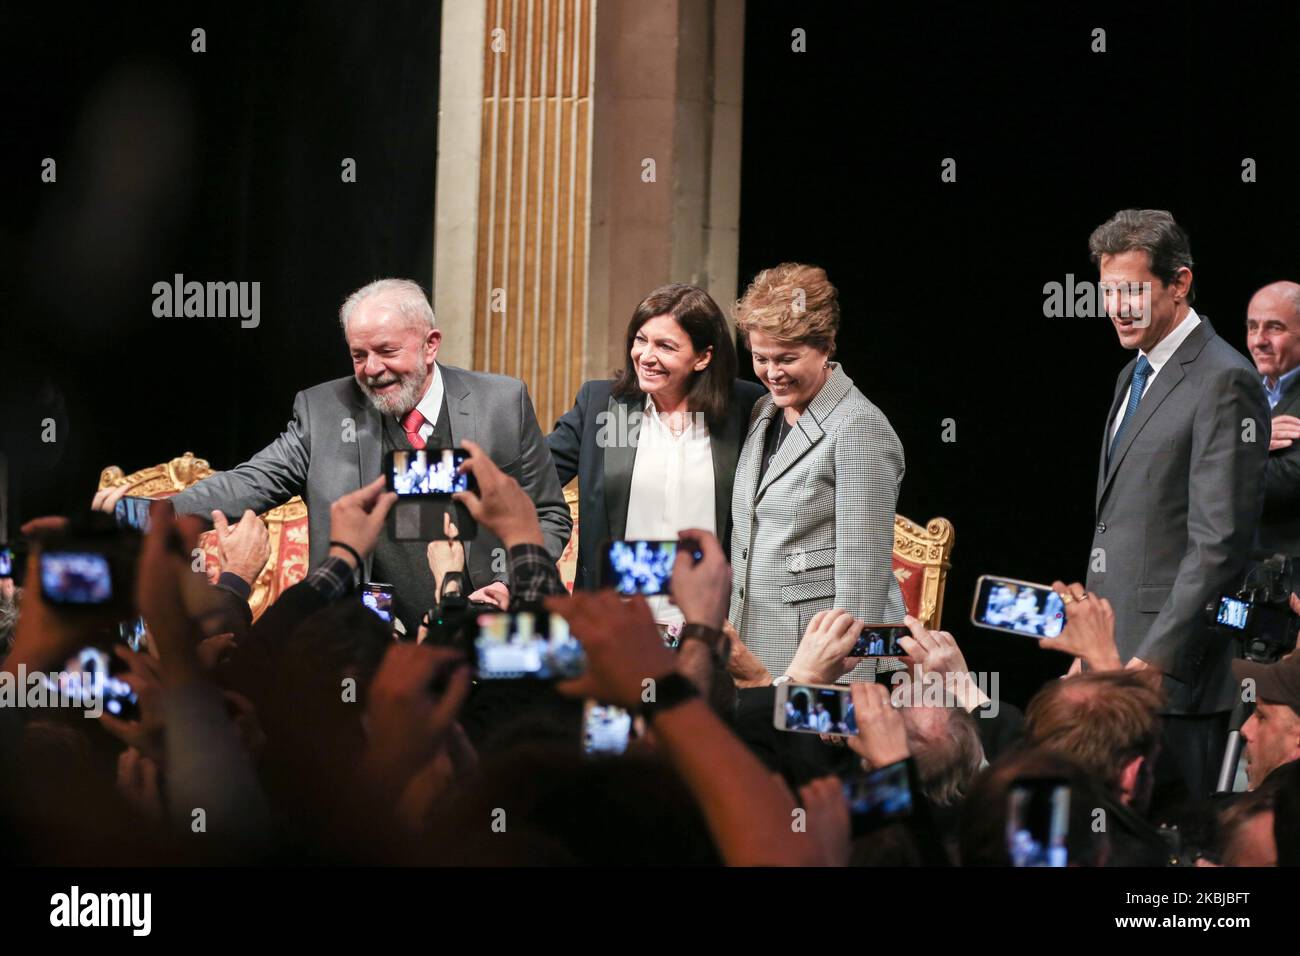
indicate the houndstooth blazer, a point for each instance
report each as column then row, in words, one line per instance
column 818, row 533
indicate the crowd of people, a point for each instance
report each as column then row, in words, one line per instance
column 734, row 719
column 313, row 735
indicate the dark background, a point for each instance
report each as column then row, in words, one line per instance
column 226, row 166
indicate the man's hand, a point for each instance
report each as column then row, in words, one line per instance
column 407, row 724
column 144, row 676
column 495, row 593
column 828, row 819
column 106, row 499
column 701, row 591
column 882, row 735
column 501, row 505
column 1089, row 632
column 622, row 644
column 160, row 581
column 138, row 784
column 357, row 519
column 937, row 652
column 1286, row 429
column 745, row 669
column 245, row 548
column 822, row 655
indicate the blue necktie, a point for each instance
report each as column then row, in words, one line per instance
column 1136, row 387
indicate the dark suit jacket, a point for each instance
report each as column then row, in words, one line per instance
column 1279, row 526
column 1177, row 511
column 333, row 446
column 587, row 443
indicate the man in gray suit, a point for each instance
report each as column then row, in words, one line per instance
column 399, row 397
column 1273, row 338
column 1180, row 483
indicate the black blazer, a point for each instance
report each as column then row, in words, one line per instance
column 1279, row 525
column 604, row 466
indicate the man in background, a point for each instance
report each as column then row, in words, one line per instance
column 1273, row 338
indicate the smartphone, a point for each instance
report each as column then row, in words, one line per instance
column 379, row 598
column 643, row 567
column 877, row 797
column 814, row 709
column 880, row 640
column 6, row 562
column 1038, row 822
column 133, row 512
column 90, row 674
column 1018, row 607
column 76, row 578
column 427, row 473
column 526, row 645
column 606, row 729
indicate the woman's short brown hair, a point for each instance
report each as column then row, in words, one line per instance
column 791, row 303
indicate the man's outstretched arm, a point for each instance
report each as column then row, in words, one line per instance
column 270, row 478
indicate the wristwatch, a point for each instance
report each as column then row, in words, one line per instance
column 669, row 691
column 783, row 679
column 717, row 642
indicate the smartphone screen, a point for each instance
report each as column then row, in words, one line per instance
column 880, row 640
column 133, row 512
column 428, row 472
column 877, row 797
column 90, row 674
column 643, row 567
column 1233, row 612
column 379, row 598
column 1038, row 823
column 133, row 634
column 6, row 563
column 815, row 709
column 526, row 645
column 76, row 578
column 1018, row 607
column 605, row 728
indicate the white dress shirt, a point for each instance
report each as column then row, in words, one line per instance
column 430, row 405
column 1158, row 357
column 672, row 489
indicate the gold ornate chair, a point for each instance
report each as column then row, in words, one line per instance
column 922, row 559
column 568, row 562
column 286, row 524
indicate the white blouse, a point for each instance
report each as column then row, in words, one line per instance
column 672, row 488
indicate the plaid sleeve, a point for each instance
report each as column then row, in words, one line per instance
column 533, row 575
column 333, row 578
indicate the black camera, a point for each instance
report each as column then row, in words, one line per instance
column 1259, row 614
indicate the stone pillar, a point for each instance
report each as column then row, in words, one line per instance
column 588, row 152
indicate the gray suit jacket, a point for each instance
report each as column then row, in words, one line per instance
column 333, row 446
column 818, row 533
column 1177, row 510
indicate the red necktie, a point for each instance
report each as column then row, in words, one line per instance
column 411, row 423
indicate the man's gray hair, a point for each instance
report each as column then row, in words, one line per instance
column 1152, row 231
column 407, row 297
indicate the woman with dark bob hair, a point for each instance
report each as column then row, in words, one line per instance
column 655, row 449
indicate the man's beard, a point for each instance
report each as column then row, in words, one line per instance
column 397, row 403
